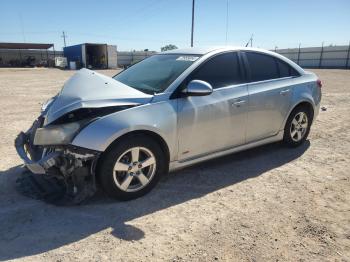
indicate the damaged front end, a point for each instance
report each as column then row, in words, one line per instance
column 56, row 171
column 46, row 148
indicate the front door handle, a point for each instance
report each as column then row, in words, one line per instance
column 284, row 92
column 238, row 103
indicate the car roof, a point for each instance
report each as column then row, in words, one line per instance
column 206, row 50
column 218, row 49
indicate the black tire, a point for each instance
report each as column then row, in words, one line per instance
column 287, row 138
column 106, row 164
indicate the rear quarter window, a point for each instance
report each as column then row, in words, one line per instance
column 285, row 70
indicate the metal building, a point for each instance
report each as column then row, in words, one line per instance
column 27, row 54
column 92, row 56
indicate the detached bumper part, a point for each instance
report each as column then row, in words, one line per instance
column 65, row 176
column 40, row 166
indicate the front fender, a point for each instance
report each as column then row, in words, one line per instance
column 160, row 118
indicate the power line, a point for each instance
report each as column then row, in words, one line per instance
column 148, row 39
column 143, row 14
column 30, row 33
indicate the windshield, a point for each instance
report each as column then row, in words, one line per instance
column 156, row 73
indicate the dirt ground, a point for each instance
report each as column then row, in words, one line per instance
column 268, row 203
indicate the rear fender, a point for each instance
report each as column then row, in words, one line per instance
column 300, row 95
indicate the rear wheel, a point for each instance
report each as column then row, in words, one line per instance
column 297, row 127
column 132, row 167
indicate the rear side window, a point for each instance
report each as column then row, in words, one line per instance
column 262, row 67
column 285, row 70
column 220, row 71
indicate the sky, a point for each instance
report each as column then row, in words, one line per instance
column 151, row 24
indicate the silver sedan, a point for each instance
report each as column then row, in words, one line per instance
column 166, row 112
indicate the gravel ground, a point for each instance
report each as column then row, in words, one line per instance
column 268, row 203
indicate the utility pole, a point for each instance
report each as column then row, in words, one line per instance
column 250, row 40
column 321, row 56
column 347, row 57
column 192, row 23
column 64, row 38
column 226, row 20
column 298, row 54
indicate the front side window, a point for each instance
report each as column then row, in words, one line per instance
column 220, row 71
column 156, row 73
column 262, row 67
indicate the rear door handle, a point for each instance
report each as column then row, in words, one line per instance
column 238, row 103
column 284, row 92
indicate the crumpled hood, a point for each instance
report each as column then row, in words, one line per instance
column 89, row 89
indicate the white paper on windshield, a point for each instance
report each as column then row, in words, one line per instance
column 187, row 58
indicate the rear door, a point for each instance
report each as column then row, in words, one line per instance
column 269, row 95
column 217, row 121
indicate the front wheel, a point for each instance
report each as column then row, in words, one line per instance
column 132, row 167
column 297, row 127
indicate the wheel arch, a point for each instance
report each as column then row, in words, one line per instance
column 304, row 103
column 153, row 135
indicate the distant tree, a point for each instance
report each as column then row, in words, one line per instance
column 168, row 47
column 146, row 50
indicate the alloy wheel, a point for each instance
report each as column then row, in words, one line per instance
column 299, row 126
column 134, row 169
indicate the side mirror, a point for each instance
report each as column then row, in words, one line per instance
column 198, row 88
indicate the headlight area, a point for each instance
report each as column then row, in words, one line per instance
column 63, row 130
column 49, row 155
column 67, row 170
column 57, row 134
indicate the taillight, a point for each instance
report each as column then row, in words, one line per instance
column 319, row 83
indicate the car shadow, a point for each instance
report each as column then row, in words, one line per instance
column 29, row 227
